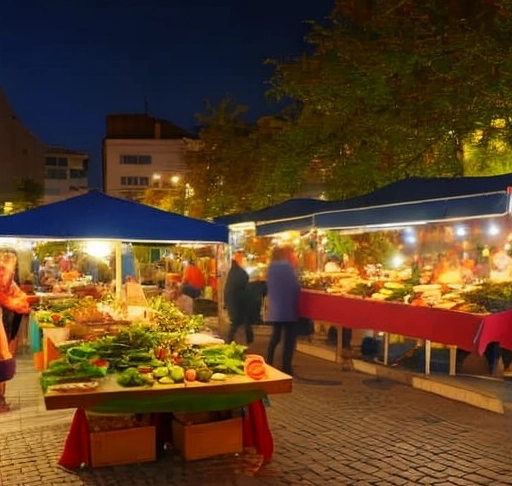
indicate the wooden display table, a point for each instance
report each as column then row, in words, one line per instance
column 170, row 397
column 235, row 392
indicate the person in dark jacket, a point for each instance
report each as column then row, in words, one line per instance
column 235, row 298
column 283, row 290
column 256, row 292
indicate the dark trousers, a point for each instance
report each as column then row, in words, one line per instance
column 290, row 338
column 235, row 324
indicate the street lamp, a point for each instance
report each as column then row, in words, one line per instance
column 175, row 179
column 156, row 180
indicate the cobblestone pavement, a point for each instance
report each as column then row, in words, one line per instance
column 334, row 429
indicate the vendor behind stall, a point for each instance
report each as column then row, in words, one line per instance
column 193, row 280
column 47, row 274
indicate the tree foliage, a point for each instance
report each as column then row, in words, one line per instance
column 394, row 88
column 386, row 89
column 219, row 161
column 30, row 194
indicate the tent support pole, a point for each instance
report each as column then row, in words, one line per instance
column 453, row 361
column 428, row 349
column 119, row 270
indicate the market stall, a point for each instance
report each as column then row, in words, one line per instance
column 129, row 392
column 424, row 258
column 73, row 382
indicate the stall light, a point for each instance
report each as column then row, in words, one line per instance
column 460, row 231
column 507, row 247
column 8, row 241
column 493, row 230
column 397, row 261
column 242, row 226
column 98, row 249
column 410, row 239
column 16, row 243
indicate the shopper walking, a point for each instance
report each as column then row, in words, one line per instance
column 283, row 291
column 235, row 298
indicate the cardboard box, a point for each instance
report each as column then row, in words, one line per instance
column 126, row 446
column 198, row 441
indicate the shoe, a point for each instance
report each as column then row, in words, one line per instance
column 4, row 406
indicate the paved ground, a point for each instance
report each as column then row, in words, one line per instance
column 334, row 429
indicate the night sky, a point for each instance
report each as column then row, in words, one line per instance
column 66, row 64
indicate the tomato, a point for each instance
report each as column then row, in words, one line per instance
column 254, row 367
column 100, row 363
column 190, row 375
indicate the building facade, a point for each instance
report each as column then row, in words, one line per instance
column 21, row 156
column 65, row 173
column 140, row 152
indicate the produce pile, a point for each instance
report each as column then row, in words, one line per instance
column 149, row 354
column 59, row 313
column 491, row 297
column 487, row 297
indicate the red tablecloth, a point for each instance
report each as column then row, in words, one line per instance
column 256, row 433
column 467, row 331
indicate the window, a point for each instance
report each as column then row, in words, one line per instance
column 56, row 174
column 77, row 174
column 134, row 181
column 135, row 159
column 56, row 161
column 144, row 159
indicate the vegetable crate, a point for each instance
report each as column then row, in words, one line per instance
column 198, row 441
column 127, row 446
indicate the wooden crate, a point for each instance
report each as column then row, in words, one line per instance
column 198, row 441
column 127, row 446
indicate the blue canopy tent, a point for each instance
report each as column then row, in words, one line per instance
column 430, row 211
column 433, row 193
column 290, row 209
column 97, row 216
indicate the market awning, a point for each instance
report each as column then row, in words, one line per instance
column 457, row 208
column 290, row 209
column 95, row 215
column 429, row 211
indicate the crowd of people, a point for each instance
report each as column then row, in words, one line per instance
column 244, row 294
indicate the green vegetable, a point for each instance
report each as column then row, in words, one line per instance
column 228, row 358
column 204, row 375
column 139, row 357
column 130, row 377
column 177, row 374
column 218, row 377
column 166, row 380
column 80, row 353
column 148, row 378
column 160, row 372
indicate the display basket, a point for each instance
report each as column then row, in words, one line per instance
column 56, row 334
